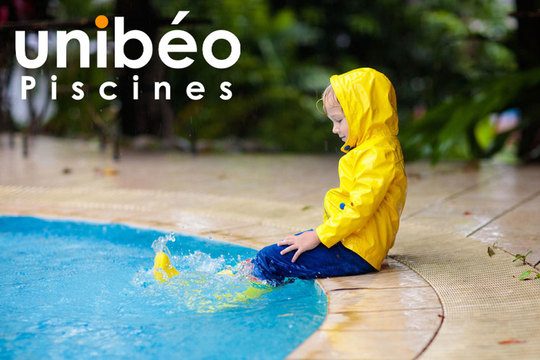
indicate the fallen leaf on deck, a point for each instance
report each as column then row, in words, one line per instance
column 511, row 341
column 525, row 275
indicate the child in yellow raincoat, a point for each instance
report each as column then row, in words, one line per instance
column 361, row 216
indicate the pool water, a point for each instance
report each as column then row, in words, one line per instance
column 85, row 290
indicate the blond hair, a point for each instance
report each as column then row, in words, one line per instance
column 329, row 99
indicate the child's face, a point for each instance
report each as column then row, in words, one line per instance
column 340, row 126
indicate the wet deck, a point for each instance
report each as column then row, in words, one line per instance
column 439, row 294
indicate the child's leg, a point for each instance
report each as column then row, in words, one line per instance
column 320, row 262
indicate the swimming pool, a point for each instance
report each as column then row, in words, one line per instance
column 80, row 290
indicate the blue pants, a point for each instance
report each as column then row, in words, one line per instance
column 320, row 262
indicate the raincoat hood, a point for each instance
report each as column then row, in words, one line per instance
column 369, row 103
column 363, row 213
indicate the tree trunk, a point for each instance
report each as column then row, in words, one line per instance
column 528, row 56
column 145, row 115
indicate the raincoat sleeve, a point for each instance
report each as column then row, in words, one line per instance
column 371, row 172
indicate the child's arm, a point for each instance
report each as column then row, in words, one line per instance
column 372, row 171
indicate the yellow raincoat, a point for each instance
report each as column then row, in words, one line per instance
column 363, row 212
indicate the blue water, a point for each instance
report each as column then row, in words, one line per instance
column 85, row 290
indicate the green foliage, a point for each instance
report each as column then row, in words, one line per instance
column 448, row 57
column 446, row 125
column 274, row 93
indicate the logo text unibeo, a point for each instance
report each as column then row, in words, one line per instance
column 166, row 47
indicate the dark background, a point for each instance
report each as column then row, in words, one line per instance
column 456, row 66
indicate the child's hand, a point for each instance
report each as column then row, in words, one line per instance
column 301, row 243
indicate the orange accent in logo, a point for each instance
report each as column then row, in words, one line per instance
column 102, row 21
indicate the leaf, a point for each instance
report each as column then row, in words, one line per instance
column 511, row 341
column 524, row 275
column 110, row 171
column 490, row 251
column 521, row 257
column 537, row 276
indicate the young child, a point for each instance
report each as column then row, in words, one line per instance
column 361, row 216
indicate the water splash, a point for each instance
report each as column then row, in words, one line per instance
column 200, row 262
column 160, row 244
column 200, row 287
column 205, row 283
column 244, row 268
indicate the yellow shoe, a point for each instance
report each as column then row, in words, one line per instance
column 254, row 291
column 163, row 269
column 227, row 272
